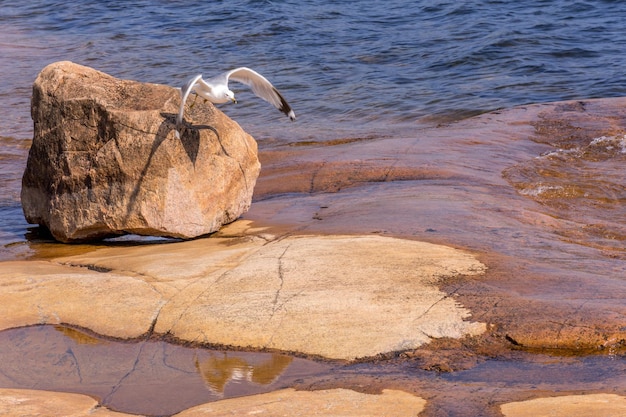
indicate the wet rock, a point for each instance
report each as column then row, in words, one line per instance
column 592, row 405
column 551, row 282
column 335, row 402
column 105, row 160
column 23, row 402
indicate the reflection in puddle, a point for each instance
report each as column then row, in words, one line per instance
column 148, row 377
column 220, row 368
column 155, row 378
column 78, row 336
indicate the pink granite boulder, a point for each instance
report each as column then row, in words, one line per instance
column 105, row 160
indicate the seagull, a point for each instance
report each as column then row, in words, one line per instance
column 216, row 90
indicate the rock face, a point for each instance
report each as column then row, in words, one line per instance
column 332, row 402
column 590, row 405
column 105, row 160
column 285, row 402
column 340, row 297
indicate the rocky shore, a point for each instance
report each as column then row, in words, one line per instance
column 362, row 249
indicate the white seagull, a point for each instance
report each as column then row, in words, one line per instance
column 216, row 90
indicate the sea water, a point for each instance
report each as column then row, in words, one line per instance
column 347, row 68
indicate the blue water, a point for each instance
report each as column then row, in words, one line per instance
column 347, row 68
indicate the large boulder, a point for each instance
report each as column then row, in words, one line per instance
column 106, row 161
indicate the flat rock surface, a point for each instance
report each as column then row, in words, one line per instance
column 336, row 402
column 24, row 402
column 288, row 402
column 44, row 292
column 340, row 297
column 593, row 405
column 536, row 192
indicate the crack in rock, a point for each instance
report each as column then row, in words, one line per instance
column 118, row 385
column 281, row 277
column 76, row 364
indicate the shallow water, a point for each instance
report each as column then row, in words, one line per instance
column 582, row 180
column 148, row 377
column 155, row 378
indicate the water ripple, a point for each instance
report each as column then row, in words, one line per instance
column 398, row 60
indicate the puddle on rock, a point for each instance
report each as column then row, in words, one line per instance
column 157, row 378
column 481, row 390
column 150, row 377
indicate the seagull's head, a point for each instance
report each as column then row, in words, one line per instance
column 229, row 95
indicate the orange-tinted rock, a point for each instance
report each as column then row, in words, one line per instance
column 336, row 402
column 105, row 160
column 23, row 402
column 592, row 405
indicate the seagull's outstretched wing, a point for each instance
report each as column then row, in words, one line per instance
column 262, row 88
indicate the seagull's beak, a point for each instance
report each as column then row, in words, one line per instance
column 234, row 100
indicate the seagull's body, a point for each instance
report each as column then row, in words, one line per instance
column 216, row 90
